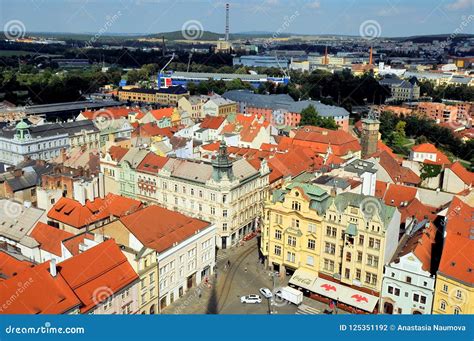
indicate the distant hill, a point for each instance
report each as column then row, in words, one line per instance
column 431, row 38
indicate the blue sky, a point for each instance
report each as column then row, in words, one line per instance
column 395, row 17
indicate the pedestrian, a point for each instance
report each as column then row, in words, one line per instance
column 228, row 263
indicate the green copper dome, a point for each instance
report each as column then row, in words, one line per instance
column 22, row 125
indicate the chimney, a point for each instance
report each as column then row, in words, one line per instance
column 52, row 267
column 17, row 172
column 227, row 22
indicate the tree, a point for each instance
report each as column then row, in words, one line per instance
column 310, row 116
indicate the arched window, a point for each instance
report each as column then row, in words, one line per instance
column 457, row 311
column 152, row 309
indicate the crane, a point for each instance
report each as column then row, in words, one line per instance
column 164, row 67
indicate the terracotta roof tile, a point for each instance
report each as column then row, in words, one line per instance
column 212, row 122
column 42, row 294
column 152, row 163
column 102, row 267
column 49, row 238
column 159, row 228
column 466, row 176
column 458, row 243
column 10, row 266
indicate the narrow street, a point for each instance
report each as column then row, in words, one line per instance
column 245, row 276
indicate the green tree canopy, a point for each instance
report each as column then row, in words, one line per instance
column 310, row 116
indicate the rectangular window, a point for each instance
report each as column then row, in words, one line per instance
column 310, row 260
column 277, row 250
column 328, row 265
column 361, row 240
column 311, row 244
column 347, row 273
column 358, row 274
column 292, row 241
column 330, row 248
column 311, row 228
column 278, row 234
column 295, row 223
column 290, row 257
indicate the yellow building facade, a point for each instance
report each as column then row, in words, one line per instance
column 453, row 296
column 329, row 237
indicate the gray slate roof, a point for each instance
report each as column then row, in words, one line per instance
column 283, row 102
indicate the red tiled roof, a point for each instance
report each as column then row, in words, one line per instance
column 250, row 131
column 41, row 294
column 50, row 238
column 72, row 244
column 458, row 243
column 212, row 122
column 119, row 206
column 10, row 266
column 421, row 245
column 398, row 173
column 152, row 163
column 295, row 162
column 269, row 147
column 320, row 139
column 396, row 194
column 110, row 113
column 73, row 213
column 466, row 176
column 101, row 268
column 158, row 114
column 159, row 228
column 418, row 210
column 380, row 188
column 211, row 146
column 425, row 148
column 117, row 153
column 151, row 129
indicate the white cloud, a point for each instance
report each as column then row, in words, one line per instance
column 460, row 4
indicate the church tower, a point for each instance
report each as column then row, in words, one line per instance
column 370, row 135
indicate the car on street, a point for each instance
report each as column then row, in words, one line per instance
column 266, row 292
column 252, row 299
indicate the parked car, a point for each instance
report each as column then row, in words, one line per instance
column 253, row 299
column 266, row 292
